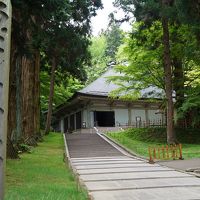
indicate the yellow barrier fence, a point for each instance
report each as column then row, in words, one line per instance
column 165, row 153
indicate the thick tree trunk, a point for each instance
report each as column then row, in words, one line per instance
column 24, row 106
column 12, row 152
column 168, row 82
column 37, row 95
column 27, row 94
column 18, row 74
column 178, row 82
column 12, row 96
column 51, row 93
column 12, row 135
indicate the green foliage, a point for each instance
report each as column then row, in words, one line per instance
column 114, row 36
column 97, row 48
column 65, row 35
column 182, row 11
column 63, row 90
column 142, row 66
column 24, row 148
column 141, row 61
column 138, row 140
column 158, row 135
column 183, row 20
column 103, row 49
column 58, row 29
column 42, row 175
column 191, row 106
column 99, row 60
column 188, row 12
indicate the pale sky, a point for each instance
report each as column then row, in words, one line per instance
column 100, row 21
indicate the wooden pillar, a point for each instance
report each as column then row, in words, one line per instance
column 146, row 115
column 129, row 116
column 88, row 124
column 68, row 121
column 62, row 125
column 75, row 121
column 5, row 31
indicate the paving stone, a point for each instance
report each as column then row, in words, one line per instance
column 110, row 162
column 111, row 175
column 182, row 164
column 89, row 145
column 121, row 170
column 136, row 165
column 132, row 175
column 103, row 160
column 100, row 158
column 174, row 193
column 141, row 184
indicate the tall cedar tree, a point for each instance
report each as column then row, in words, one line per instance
column 70, row 27
column 182, row 14
column 168, row 76
column 148, row 12
column 32, row 20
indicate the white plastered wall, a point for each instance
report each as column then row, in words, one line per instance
column 139, row 114
column 121, row 117
column 84, row 117
column 154, row 115
column 92, row 118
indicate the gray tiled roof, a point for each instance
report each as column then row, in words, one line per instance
column 102, row 88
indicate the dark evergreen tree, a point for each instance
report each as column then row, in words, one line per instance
column 114, row 36
column 49, row 26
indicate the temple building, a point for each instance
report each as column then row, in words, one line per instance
column 92, row 107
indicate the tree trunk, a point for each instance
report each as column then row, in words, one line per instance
column 18, row 74
column 168, row 82
column 27, row 94
column 11, row 103
column 36, row 92
column 13, row 136
column 51, row 93
column 178, row 82
column 12, row 152
column 24, row 96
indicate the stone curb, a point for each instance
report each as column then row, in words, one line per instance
column 145, row 159
column 125, row 148
column 68, row 162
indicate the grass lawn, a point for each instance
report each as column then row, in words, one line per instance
column 138, row 140
column 42, row 174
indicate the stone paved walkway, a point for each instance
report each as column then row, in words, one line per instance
column 108, row 174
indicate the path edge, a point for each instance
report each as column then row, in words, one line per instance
column 68, row 162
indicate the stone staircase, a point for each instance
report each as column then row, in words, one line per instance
column 108, row 129
column 97, row 129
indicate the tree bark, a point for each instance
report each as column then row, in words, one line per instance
column 178, row 82
column 24, row 106
column 24, row 93
column 18, row 74
column 37, row 95
column 168, row 82
column 12, row 135
column 27, row 95
column 12, row 95
column 51, row 93
column 12, row 152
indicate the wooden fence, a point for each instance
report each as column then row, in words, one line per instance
column 158, row 123
column 165, row 152
column 144, row 124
